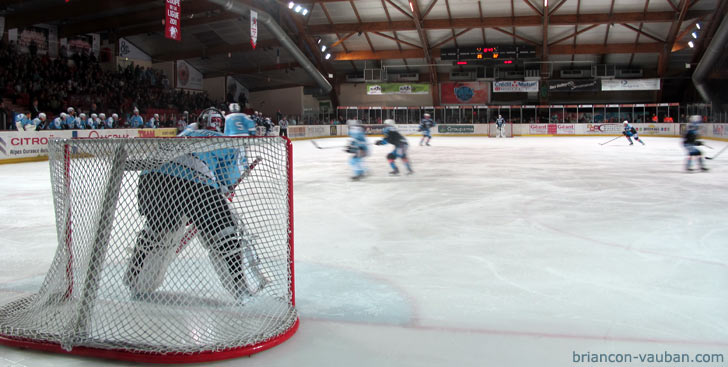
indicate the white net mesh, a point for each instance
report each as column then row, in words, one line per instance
column 507, row 130
column 166, row 246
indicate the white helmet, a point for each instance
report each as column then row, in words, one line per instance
column 94, row 116
column 42, row 116
column 136, row 110
column 427, row 115
column 156, row 116
column 626, row 122
column 82, row 115
column 695, row 119
column 389, row 122
column 63, row 116
column 102, row 116
column 352, row 122
column 114, row 116
column 234, row 107
column 70, row 109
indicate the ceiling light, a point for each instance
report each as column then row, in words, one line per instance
column 412, row 7
column 323, row 48
column 331, row 76
column 690, row 43
column 545, row 3
column 695, row 35
column 291, row 5
column 318, row 41
column 328, row 56
column 298, row 9
column 697, row 25
column 304, row 12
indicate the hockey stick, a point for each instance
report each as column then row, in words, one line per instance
column 611, row 140
column 331, row 147
column 717, row 154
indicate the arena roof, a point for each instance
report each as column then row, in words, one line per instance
column 394, row 34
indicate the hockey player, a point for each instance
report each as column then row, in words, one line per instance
column 22, row 123
column 691, row 143
column 500, row 122
column 392, row 136
column 268, row 125
column 70, row 122
column 112, row 121
column 425, row 125
column 81, row 121
column 193, row 188
column 102, row 121
column 93, row 122
column 630, row 132
column 57, row 123
column 39, row 122
column 153, row 122
column 237, row 123
column 136, row 121
column 358, row 148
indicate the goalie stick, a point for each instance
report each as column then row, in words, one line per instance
column 717, row 154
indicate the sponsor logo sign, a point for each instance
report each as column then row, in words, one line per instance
column 538, row 129
column 296, row 131
column 515, row 86
column 574, row 86
column 465, row 92
column 604, row 128
column 397, row 88
column 455, row 129
column 630, row 84
column 565, row 129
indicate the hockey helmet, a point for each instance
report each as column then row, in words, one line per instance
column 210, row 119
column 695, row 119
column 93, row 116
column 427, row 115
column 102, row 116
column 353, row 122
column 42, row 116
column 82, row 115
column 626, row 122
column 389, row 122
column 136, row 111
column 234, row 108
column 114, row 116
column 156, row 116
column 63, row 116
column 70, row 110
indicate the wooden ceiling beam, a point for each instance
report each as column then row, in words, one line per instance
column 664, row 60
column 617, row 48
column 493, row 22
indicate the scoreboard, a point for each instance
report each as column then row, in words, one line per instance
column 488, row 54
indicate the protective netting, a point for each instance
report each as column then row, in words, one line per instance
column 165, row 246
column 507, row 130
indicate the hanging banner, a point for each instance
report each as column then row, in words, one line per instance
column 253, row 28
column 465, row 92
column 397, row 88
column 515, row 86
column 187, row 76
column 129, row 51
column 630, row 84
column 574, row 85
column 172, row 12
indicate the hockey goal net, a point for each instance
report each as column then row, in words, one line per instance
column 507, row 130
column 169, row 250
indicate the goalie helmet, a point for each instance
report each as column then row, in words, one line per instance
column 210, row 119
column 234, row 108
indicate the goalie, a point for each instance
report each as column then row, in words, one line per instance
column 193, row 189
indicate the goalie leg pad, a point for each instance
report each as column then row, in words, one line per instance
column 236, row 262
column 149, row 262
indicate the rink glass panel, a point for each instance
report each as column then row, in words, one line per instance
column 84, row 304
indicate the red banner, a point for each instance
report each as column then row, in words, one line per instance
column 253, row 28
column 172, row 11
column 465, row 92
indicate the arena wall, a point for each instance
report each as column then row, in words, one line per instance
column 18, row 146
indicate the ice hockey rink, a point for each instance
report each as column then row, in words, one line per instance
column 531, row 251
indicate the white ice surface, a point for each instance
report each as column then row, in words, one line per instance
column 496, row 252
